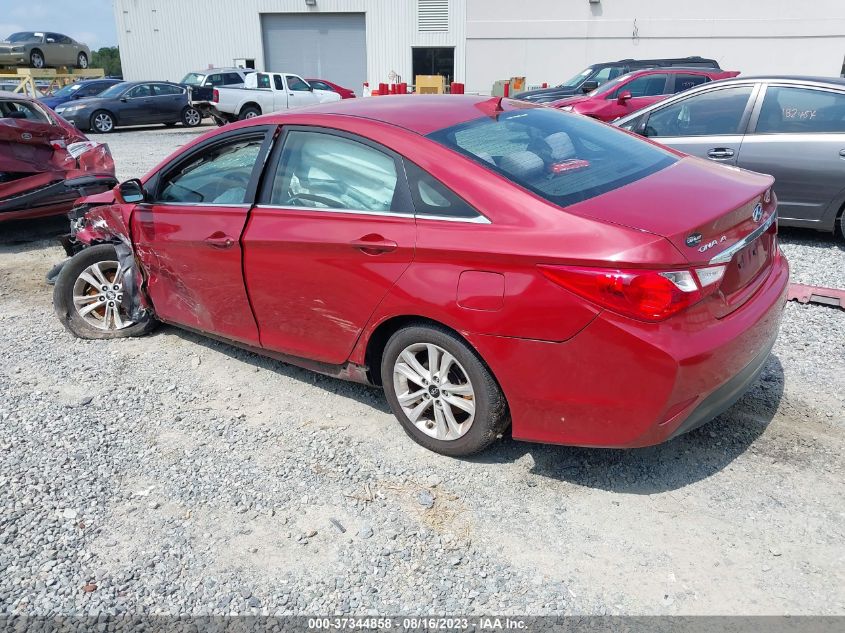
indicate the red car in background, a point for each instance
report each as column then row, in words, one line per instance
column 322, row 84
column 641, row 88
column 484, row 261
column 45, row 163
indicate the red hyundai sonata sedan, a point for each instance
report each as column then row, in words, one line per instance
column 487, row 262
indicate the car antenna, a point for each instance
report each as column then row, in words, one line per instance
column 491, row 107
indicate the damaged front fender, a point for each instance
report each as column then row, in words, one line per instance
column 109, row 224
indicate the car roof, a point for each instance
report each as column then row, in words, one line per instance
column 837, row 81
column 656, row 60
column 18, row 96
column 422, row 114
column 208, row 71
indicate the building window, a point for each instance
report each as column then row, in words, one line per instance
column 433, row 15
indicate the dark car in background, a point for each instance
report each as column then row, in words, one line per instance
column 45, row 163
column 78, row 90
column 638, row 89
column 790, row 127
column 133, row 103
column 322, row 84
column 39, row 49
column 594, row 76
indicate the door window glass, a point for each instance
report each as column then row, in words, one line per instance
column 52, row 38
column 607, row 73
column 295, row 83
column 319, row 85
column 167, row 89
column 685, row 82
column 144, row 90
column 219, row 175
column 797, row 110
column 232, row 78
column 263, row 81
column 215, row 80
column 277, row 81
column 23, row 109
column 320, row 170
column 644, row 86
column 432, row 197
column 711, row 113
column 64, row 39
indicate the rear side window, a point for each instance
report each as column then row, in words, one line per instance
column 564, row 158
column 263, row 81
column 22, row 110
column 801, row 110
column 167, row 90
column 685, row 82
column 215, row 80
column 325, row 171
column 431, row 197
column 231, row 78
column 707, row 114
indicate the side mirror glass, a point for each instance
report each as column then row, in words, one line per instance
column 623, row 97
column 589, row 86
column 131, row 192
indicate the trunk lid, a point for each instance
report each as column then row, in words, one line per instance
column 711, row 213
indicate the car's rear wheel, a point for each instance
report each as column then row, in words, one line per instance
column 82, row 61
column 191, row 117
column 102, row 122
column 444, row 396
column 249, row 112
column 88, row 297
column 36, row 59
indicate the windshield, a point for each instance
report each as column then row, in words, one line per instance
column 578, row 79
column 564, row 158
column 193, row 79
column 67, row 90
column 113, row 91
column 24, row 37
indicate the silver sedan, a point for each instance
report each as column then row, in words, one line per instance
column 790, row 127
column 39, row 49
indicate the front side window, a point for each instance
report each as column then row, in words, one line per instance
column 643, row 86
column 319, row 170
column 215, row 80
column 801, row 110
column 295, row 83
column 231, row 79
column 685, row 82
column 712, row 113
column 561, row 157
column 319, row 85
column 219, row 175
column 138, row 92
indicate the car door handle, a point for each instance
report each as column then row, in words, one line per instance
column 219, row 240
column 842, row 153
column 374, row 244
column 720, row 152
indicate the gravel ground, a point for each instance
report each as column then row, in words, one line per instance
column 176, row 474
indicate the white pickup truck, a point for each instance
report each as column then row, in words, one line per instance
column 264, row 93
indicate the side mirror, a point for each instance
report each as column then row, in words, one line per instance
column 130, row 192
column 623, row 97
column 589, row 86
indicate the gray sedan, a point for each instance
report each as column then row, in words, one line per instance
column 790, row 127
column 39, row 49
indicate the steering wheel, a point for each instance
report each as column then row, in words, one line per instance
column 332, row 204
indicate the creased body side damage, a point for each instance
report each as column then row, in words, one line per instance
column 107, row 224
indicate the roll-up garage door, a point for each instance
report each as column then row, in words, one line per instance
column 317, row 45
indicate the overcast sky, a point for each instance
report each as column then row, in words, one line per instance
column 88, row 21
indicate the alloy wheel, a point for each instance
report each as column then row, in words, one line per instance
column 97, row 296
column 82, row 61
column 193, row 117
column 37, row 60
column 103, row 122
column 434, row 391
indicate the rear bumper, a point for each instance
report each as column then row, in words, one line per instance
column 623, row 384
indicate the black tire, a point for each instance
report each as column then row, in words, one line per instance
column 100, row 122
column 191, row 117
column 36, row 59
column 63, row 303
column 249, row 112
column 492, row 417
column 842, row 224
column 82, row 61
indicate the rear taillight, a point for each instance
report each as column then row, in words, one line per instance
column 58, row 144
column 647, row 295
column 215, row 95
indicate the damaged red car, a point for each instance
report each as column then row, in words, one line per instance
column 45, row 163
column 488, row 263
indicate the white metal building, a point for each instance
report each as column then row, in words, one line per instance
column 473, row 41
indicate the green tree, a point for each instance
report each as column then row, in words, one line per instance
column 107, row 58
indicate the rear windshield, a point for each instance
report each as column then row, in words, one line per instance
column 563, row 157
column 193, row 79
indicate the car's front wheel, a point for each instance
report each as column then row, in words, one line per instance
column 36, row 59
column 88, row 297
column 82, row 61
column 191, row 117
column 102, row 122
column 445, row 397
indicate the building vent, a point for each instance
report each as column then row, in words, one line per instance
column 433, row 15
